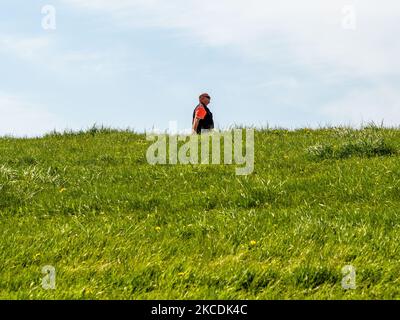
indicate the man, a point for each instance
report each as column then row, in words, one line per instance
column 202, row 116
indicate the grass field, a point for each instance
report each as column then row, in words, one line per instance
column 115, row 227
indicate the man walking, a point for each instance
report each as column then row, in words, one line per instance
column 202, row 116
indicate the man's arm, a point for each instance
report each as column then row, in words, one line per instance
column 195, row 125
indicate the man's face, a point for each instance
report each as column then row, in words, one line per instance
column 205, row 100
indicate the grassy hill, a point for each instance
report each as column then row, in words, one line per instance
column 115, row 227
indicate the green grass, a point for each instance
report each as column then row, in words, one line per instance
column 115, row 227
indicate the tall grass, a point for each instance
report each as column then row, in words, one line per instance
column 365, row 143
column 115, row 227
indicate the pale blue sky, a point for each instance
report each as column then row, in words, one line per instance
column 143, row 63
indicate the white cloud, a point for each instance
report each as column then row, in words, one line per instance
column 307, row 35
column 379, row 105
column 21, row 118
column 26, row 48
column 307, row 32
column 44, row 51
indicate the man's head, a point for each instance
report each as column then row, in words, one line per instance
column 205, row 99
